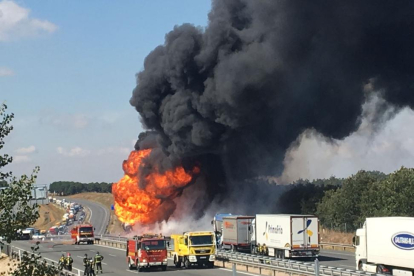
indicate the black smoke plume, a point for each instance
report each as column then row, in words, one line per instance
column 235, row 95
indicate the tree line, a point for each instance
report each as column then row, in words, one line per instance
column 351, row 200
column 70, row 188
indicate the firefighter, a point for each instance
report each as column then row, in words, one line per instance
column 98, row 262
column 91, row 266
column 264, row 250
column 62, row 261
column 69, row 262
column 259, row 249
column 86, row 265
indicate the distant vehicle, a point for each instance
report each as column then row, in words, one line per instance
column 236, row 233
column 385, row 245
column 38, row 236
column 26, row 234
column 83, row 233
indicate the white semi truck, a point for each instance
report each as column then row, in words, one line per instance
column 287, row 236
column 386, row 245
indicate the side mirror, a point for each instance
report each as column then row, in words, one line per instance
column 211, row 222
column 353, row 240
column 94, row 229
column 168, row 244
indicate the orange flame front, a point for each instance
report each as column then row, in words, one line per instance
column 137, row 202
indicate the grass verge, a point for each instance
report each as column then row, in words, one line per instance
column 49, row 215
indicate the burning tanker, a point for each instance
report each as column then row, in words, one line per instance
column 234, row 96
column 146, row 198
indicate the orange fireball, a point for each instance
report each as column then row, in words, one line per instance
column 146, row 199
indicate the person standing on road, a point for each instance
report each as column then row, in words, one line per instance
column 98, row 262
column 86, row 265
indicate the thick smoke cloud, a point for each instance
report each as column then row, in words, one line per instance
column 236, row 95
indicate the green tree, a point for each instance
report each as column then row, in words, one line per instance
column 16, row 212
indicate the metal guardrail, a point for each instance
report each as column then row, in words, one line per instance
column 288, row 266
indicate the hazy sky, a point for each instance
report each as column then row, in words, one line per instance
column 67, row 70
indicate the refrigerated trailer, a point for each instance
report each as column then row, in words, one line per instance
column 386, row 245
column 287, row 236
column 236, row 233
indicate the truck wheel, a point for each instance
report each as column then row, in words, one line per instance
column 210, row 264
column 360, row 266
column 187, row 263
column 130, row 266
column 140, row 269
column 177, row 262
column 164, row 268
column 381, row 268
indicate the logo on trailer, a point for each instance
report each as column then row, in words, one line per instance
column 309, row 232
column 228, row 225
column 403, row 240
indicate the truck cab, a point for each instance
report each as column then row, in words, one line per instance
column 192, row 248
column 83, row 233
column 147, row 251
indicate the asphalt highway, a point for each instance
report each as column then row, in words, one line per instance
column 99, row 215
column 114, row 262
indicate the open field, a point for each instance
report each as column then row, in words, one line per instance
column 49, row 216
column 107, row 200
column 330, row 236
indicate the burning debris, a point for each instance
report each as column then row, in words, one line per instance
column 235, row 96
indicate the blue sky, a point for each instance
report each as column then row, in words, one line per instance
column 67, row 70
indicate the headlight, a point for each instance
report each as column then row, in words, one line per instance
column 212, row 258
column 144, row 260
column 192, row 259
column 165, row 260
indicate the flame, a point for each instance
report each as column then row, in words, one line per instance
column 139, row 199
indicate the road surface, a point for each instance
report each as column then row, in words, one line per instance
column 99, row 215
column 115, row 264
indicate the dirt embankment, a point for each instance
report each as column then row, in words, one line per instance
column 7, row 266
column 107, row 200
column 330, row 236
column 49, row 215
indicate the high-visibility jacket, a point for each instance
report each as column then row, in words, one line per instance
column 98, row 259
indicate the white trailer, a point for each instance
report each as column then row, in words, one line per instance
column 288, row 236
column 236, row 233
column 386, row 245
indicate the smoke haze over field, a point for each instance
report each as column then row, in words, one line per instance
column 236, row 96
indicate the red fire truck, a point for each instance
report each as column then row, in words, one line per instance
column 83, row 233
column 147, row 251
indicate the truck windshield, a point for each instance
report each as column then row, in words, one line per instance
column 201, row 240
column 86, row 231
column 153, row 245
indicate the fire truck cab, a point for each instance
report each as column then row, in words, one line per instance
column 83, row 233
column 147, row 251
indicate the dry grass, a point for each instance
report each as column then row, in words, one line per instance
column 107, row 200
column 330, row 236
column 7, row 266
column 49, row 216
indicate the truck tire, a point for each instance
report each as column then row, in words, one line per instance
column 130, row 266
column 360, row 264
column 187, row 263
column 164, row 268
column 210, row 264
column 177, row 262
column 381, row 268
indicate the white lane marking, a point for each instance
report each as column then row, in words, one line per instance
column 80, row 257
column 120, row 249
column 104, row 263
column 91, row 250
column 130, row 271
column 112, row 255
column 77, row 247
column 353, row 267
column 239, row 272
